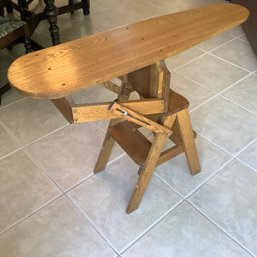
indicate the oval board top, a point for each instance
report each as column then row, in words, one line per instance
column 63, row 69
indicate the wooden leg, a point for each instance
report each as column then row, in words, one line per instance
column 187, row 136
column 108, row 140
column 105, row 151
column 151, row 161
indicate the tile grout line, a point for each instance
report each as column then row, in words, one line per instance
column 83, row 214
column 42, row 169
column 201, row 184
column 242, row 107
column 131, row 242
column 30, row 143
column 231, row 63
column 190, row 61
column 221, row 92
column 149, row 228
column 220, row 228
column 245, row 147
column 209, row 52
column 216, row 47
column 91, row 175
column 30, row 214
column 246, row 164
column 231, row 154
column 215, row 93
column 168, row 185
column 14, row 102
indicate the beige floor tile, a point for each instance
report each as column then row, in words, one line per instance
column 236, row 32
column 70, row 154
column 185, row 233
column 10, row 96
column 75, row 30
column 94, row 94
column 238, row 52
column 24, row 188
column 107, row 20
column 244, row 93
column 230, row 200
column 182, row 58
column 225, row 124
column 212, row 72
column 134, row 8
column 30, row 119
column 249, row 156
column 8, row 144
column 104, row 198
column 243, row 37
column 194, row 93
column 56, row 230
column 176, row 171
column 44, row 39
column 17, row 51
column 214, row 42
column 212, row 1
column 176, row 5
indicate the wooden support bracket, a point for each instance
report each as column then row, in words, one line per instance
column 101, row 111
column 64, row 105
column 138, row 118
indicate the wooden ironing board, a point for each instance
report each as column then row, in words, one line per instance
column 134, row 53
column 64, row 69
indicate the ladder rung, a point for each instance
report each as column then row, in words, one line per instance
column 134, row 143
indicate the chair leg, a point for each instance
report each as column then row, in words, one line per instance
column 86, row 7
column 187, row 137
column 9, row 8
column 147, row 170
column 108, row 140
column 71, row 3
column 3, row 90
column 105, row 151
column 27, row 46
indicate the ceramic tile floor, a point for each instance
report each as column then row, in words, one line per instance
column 51, row 204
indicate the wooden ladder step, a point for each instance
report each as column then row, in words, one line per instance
column 133, row 142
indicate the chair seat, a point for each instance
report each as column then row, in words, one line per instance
column 9, row 25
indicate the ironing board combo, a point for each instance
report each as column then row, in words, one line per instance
column 135, row 53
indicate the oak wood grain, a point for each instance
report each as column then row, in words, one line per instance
column 64, row 69
column 101, row 111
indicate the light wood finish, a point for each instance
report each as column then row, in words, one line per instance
column 187, row 136
column 170, row 153
column 108, row 142
column 150, row 163
column 131, row 140
column 137, row 50
column 111, row 86
column 64, row 106
column 160, row 82
column 126, row 113
column 101, row 111
column 67, row 68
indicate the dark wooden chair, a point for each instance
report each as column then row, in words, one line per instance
column 13, row 32
column 70, row 7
